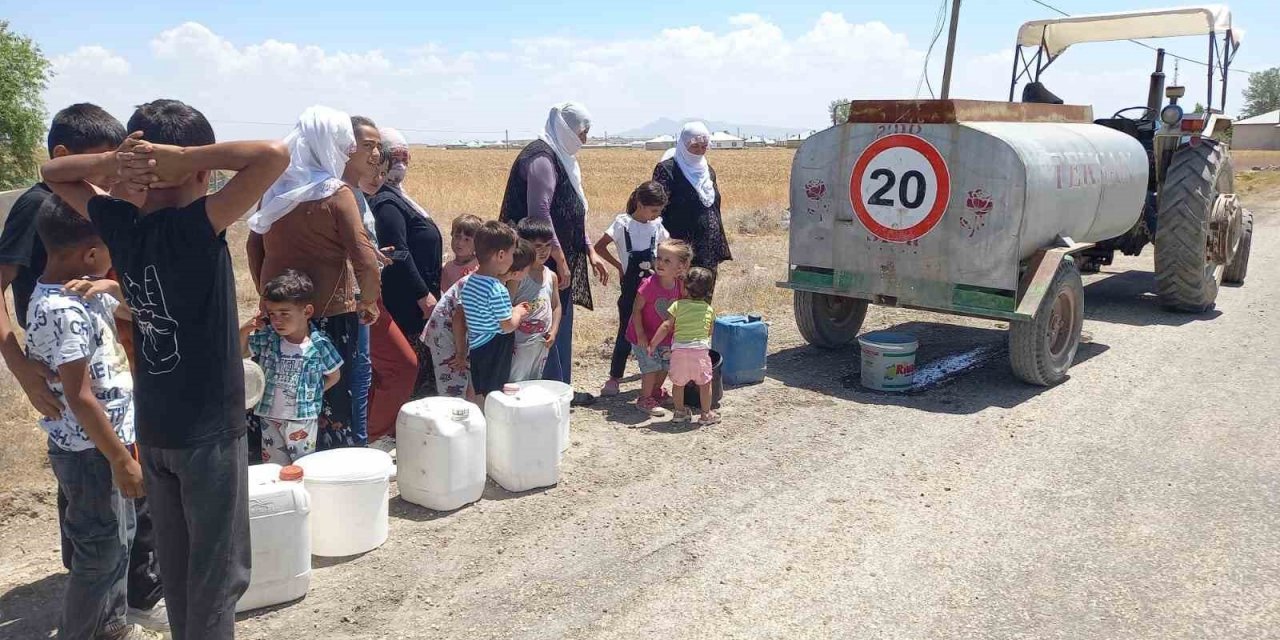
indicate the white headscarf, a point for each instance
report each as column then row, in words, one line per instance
column 396, row 149
column 319, row 147
column 694, row 166
column 564, row 124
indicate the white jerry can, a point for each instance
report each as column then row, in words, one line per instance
column 279, row 518
column 440, row 453
column 523, row 438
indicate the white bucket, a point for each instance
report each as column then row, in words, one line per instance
column 348, row 490
column 440, row 453
column 279, row 537
column 565, row 393
column 888, row 360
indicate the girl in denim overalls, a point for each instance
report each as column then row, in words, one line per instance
column 638, row 232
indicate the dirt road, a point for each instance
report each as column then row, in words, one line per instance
column 1140, row 499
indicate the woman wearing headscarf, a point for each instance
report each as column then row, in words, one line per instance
column 311, row 220
column 411, row 283
column 546, row 183
column 693, row 211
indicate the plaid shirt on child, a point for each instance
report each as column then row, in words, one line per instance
column 319, row 358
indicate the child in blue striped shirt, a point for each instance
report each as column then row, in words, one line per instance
column 486, row 311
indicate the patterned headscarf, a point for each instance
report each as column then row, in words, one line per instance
column 395, row 152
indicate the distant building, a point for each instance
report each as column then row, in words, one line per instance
column 660, row 143
column 756, row 142
column 794, row 143
column 725, row 140
column 1261, row 132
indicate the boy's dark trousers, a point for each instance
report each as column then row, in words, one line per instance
column 145, row 588
column 98, row 526
column 199, row 504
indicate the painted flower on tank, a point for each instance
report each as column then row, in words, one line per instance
column 979, row 201
column 815, row 189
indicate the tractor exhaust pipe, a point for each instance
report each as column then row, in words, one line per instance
column 1155, row 95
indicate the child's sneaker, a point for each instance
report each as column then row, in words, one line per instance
column 709, row 418
column 155, row 619
column 649, row 406
column 610, row 388
column 136, row 632
column 682, row 415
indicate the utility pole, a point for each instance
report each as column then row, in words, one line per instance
column 951, row 49
column 506, row 137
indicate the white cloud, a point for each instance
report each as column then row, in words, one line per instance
column 90, row 59
column 747, row 70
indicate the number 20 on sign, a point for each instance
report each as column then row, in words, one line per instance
column 900, row 187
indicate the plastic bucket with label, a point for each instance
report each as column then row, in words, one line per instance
column 888, row 360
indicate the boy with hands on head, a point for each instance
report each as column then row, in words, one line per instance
column 167, row 241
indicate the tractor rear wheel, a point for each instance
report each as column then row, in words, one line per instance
column 828, row 321
column 1042, row 349
column 1239, row 266
column 1187, row 269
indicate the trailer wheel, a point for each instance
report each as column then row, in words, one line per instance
column 1186, row 269
column 827, row 321
column 1042, row 349
column 1239, row 265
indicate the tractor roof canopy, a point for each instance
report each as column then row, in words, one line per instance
column 1041, row 42
column 1057, row 34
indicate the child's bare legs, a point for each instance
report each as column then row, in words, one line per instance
column 709, row 415
column 659, row 379
column 647, row 385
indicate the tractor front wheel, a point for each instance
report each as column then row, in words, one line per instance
column 1188, row 263
column 827, row 321
column 1042, row 349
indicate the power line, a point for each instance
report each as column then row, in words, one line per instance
column 939, row 23
column 1143, row 44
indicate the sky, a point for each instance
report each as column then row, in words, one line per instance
column 480, row 69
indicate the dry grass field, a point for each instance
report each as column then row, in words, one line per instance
column 451, row 183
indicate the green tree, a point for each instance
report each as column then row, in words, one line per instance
column 1263, row 93
column 839, row 111
column 23, row 74
column 1199, row 108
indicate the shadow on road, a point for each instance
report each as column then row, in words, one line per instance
column 1129, row 298
column 32, row 610
column 989, row 384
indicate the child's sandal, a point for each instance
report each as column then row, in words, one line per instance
column 709, row 418
column 682, row 415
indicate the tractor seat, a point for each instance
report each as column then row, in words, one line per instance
column 1036, row 92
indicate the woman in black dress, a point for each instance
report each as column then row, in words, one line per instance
column 693, row 212
column 411, row 283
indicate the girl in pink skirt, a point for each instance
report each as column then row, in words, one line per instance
column 691, row 321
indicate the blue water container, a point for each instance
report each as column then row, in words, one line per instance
column 743, row 343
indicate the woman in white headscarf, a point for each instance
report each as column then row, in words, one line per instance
column 311, row 221
column 546, row 183
column 693, row 210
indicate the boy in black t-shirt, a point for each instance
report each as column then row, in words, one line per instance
column 168, row 244
column 79, row 128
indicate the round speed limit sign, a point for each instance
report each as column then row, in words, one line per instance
column 900, row 187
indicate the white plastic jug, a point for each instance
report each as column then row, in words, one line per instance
column 523, row 438
column 348, row 490
column 280, row 538
column 440, row 453
column 565, row 393
column 255, row 382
